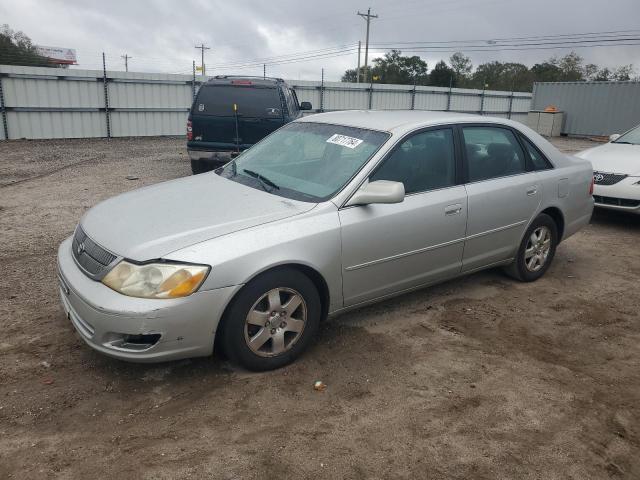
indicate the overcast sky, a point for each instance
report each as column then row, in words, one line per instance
column 160, row 35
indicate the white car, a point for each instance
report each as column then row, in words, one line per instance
column 616, row 172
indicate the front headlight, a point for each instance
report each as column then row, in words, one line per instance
column 155, row 280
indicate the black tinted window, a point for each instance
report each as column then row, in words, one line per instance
column 289, row 99
column 425, row 161
column 492, row 152
column 251, row 101
column 538, row 161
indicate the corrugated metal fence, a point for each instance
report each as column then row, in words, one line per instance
column 591, row 108
column 57, row 103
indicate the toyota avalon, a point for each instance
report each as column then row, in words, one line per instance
column 330, row 212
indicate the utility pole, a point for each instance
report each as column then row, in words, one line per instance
column 264, row 70
column 126, row 61
column 358, row 70
column 202, row 48
column 367, row 17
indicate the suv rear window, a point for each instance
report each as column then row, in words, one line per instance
column 251, row 101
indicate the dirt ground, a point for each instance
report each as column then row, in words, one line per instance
column 479, row 378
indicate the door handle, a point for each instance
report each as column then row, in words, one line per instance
column 453, row 209
column 532, row 190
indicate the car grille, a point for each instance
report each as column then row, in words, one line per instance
column 618, row 202
column 90, row 256
column 601, row 178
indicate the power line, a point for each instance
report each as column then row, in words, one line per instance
column 498, row 46
column 620, row 33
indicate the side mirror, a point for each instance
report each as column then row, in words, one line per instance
column 305, row 106
column 614, row 137
column 380, row 191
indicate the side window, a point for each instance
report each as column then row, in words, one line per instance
column 425, row 161
column 537, row 159
column 288, row 97
column 492, row 152
column 295, row 99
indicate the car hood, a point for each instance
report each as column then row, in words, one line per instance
column 154, row 221
column 614, row 158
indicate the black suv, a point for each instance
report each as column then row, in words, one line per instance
column 231, row 113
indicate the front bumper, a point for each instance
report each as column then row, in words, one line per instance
column 623, row 196
column 137, row 329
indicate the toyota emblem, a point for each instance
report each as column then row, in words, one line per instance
column 80, row 248
column 598, row 177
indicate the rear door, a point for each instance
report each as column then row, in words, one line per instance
column 258, row 113
column 503, row 195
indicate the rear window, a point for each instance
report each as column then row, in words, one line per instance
column 251, row 101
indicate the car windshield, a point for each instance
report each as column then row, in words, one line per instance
column 632, row 136
column 305, row 161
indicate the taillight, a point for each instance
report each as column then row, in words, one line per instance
column 189, row 130
column 591, row 186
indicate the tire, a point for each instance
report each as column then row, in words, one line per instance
column 253, row 337
column 198, row 167
column 533, row 259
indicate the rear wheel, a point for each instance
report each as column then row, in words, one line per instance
column 536, row 251
column 272, row 320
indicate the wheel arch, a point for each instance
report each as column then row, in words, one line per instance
column 313, row 274
column 556, row 214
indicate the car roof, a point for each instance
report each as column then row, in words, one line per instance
column 397, row 121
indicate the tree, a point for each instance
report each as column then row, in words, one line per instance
column 623, row 73
column 546, row 72
column 461, row 65
column 570, row 66
column 602, row 75
column 509, row 76
column 590, row 71
column 442, row 75
column 393, row 68
column 350, row 75
column 16, row 49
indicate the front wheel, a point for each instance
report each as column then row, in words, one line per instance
column 536, row 251
column 272, row 320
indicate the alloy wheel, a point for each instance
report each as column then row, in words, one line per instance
column 537, row 249
column 275, row 322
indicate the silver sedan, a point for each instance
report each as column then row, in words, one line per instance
column 329, row 213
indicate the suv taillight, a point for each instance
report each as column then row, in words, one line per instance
column 189, row 130
column 591, row 186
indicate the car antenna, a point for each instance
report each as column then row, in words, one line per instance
column 235, row 114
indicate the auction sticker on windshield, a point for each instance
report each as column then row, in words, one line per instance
column 345, row 141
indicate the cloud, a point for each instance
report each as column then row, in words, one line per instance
column 161, row 35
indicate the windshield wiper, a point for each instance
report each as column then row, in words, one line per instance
column 626, row 143
column 262, row 178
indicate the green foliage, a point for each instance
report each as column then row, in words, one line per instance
column 393, row 68
column 509, row 76
column 461, row 65
column 442, row 75
column 16, row 49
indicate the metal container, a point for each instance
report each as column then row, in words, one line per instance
column 591, row 108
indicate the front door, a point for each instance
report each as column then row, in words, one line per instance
column 393, row 247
